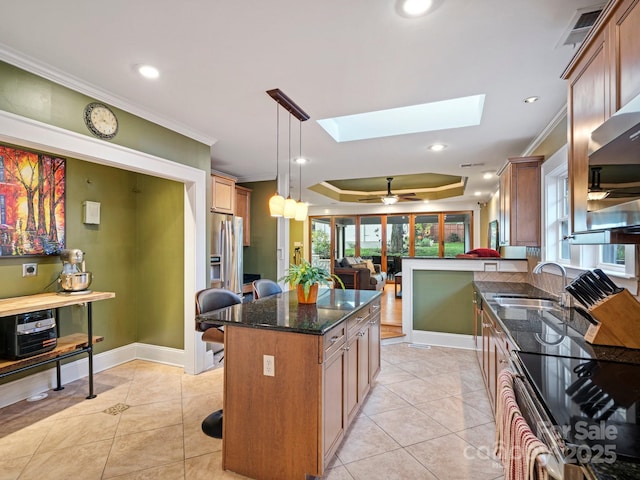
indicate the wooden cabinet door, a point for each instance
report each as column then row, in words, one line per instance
column 477, row 325
column 486, row 353
column 333, row 407
column 519, row 218
column 624, row 35
column 374, row 345
column 243, row 209
column 524, row 211
column 363, row 361
column 351, row 387
column 223, row 194
column 504, row 217
column 587, row 109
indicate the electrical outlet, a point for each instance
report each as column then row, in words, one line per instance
column 269, row 366
column 29, row 269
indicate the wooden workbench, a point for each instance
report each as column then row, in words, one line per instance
column 67, row 346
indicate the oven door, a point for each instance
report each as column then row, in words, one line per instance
column 558, row 464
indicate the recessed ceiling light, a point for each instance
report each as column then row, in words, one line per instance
column 437, row 147
column 487, row 175
column 148, row 71
column 477, row 194
column 531, row 99
column 426, row 117
column 301, row 160
column 415, row 8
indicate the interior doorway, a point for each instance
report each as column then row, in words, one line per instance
column 30, row 133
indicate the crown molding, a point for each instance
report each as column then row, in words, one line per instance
column 20, row 60
column 555, row 121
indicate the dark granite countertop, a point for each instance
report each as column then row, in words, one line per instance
column 548, row 332
column 283, row 312
column 559, row 333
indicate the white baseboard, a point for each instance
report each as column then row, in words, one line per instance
column 439, row 339
column 46, row 380
column 392, row 341
column 154, row 353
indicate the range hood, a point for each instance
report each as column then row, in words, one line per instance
column 614, row 160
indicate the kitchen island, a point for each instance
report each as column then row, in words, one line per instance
column 295, row 376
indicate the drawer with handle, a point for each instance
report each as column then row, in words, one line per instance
column 333, row 340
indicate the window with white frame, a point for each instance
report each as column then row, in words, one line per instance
column 556, row 211
column 616, row 259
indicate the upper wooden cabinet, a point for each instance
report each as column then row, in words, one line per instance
column 519, row 219
column 603, row 76
column 223, row 194
column 243, row 209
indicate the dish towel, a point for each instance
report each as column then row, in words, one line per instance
column 517, row 447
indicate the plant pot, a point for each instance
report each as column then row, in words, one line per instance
column 311, row 298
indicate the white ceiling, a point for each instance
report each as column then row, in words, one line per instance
column 332, row 57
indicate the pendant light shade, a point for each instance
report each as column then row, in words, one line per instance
column 276, row 205
column 289, row 208
column 301, row 211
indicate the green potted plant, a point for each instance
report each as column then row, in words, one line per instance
column 306, row 278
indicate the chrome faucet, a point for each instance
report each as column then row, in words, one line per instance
column 563, row 298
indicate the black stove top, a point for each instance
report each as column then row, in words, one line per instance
column 594, row 403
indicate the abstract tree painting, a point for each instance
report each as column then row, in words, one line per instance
column 32, row 203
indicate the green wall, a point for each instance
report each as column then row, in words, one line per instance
column 160, row 252
column 260, row 257
column 442, row 301
column 137, row 250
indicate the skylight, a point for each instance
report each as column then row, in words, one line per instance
column 427, row 117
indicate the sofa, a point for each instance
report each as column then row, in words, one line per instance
column 360, row 274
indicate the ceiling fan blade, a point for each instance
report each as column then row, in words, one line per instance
column 410, row 199
column 402, row 195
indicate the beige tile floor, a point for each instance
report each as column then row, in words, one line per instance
column 427, row 417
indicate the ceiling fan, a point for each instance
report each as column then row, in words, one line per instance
column 391, row 198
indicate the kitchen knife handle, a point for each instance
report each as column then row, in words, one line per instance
column 607, row 280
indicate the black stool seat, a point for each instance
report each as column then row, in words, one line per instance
column 212, row 425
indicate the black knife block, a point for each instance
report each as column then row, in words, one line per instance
column 618, row 319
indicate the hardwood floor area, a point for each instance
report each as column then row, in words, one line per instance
column 390, row 314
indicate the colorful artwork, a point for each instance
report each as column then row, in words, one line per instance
column 32, row 203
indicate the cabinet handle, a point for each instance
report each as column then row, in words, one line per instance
column 375, row 307
column 347, row 348
column 503, row 361
column 568, row 237
column 334, row 339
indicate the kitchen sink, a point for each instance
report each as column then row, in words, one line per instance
column 525, row 302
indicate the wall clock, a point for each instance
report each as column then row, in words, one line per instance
column 101, row 121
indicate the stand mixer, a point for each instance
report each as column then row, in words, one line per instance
column 74, row 278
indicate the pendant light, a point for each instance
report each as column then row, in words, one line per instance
column 289, row 203
column 301, row 207
column 278, row 206
column 276, row 202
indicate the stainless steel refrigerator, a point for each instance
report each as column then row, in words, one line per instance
column 226, row 252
